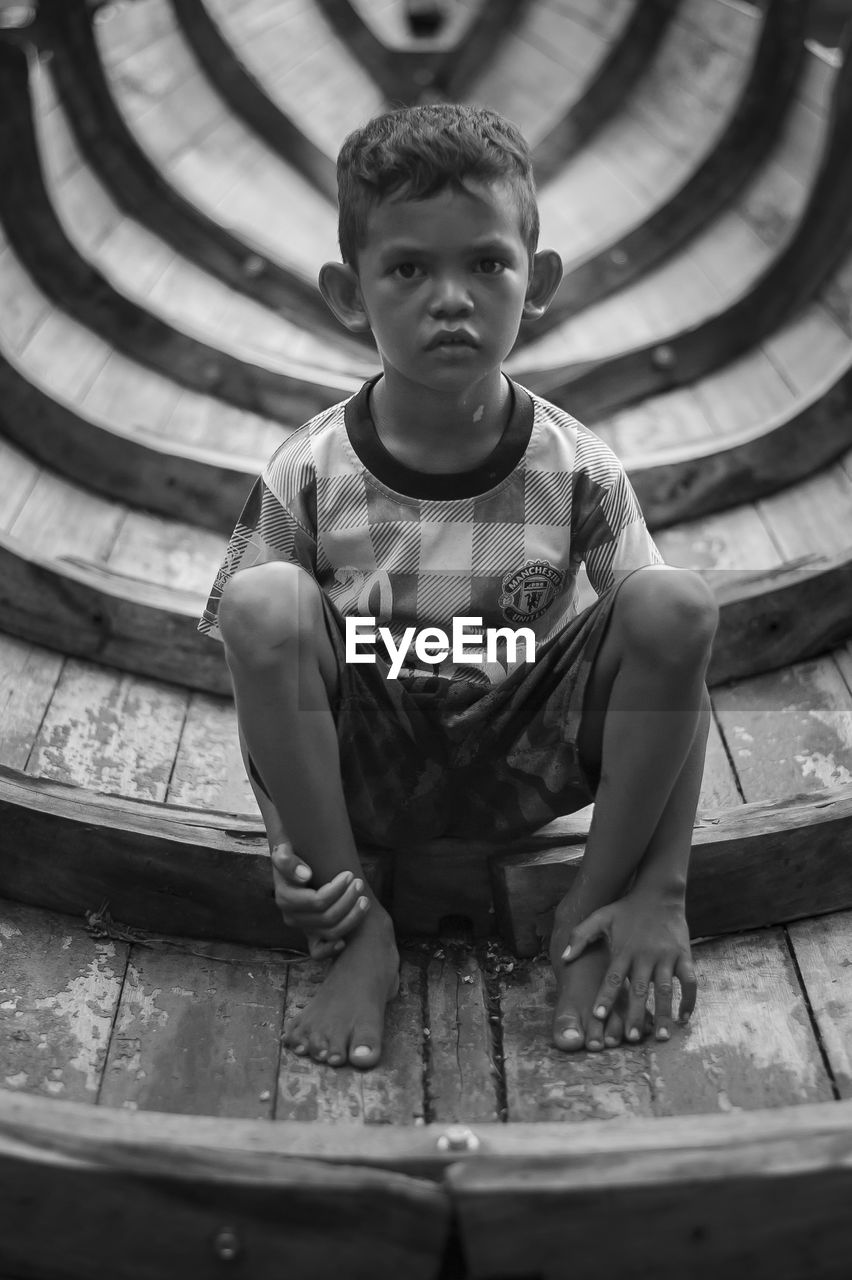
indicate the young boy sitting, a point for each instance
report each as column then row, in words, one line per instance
column 444, row 490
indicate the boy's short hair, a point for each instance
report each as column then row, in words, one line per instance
column 416, row 152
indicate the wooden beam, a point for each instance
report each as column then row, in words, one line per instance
column 754, row 865
column 141, row 189
column 284, row 393
column 160, row 868
column 404, row 74
column 754, row 124
column 822, row 237
column 767, row 619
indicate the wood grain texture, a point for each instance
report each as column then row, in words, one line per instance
column 753, row 865
column 144, row 191
column 391, row 1094
column 753, row 124
column 65, row 277
column 823, row 950
column 60, row 990
column 794, row 275
column 197, row 1031
column 461, row 1075
column 161, row 868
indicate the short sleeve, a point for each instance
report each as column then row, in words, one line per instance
column 610, row 534
column 275, row 524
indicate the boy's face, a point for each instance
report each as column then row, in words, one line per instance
column 443, row 283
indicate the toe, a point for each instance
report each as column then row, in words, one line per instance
column 365, row 1044
column 614, row 1030
column 595, row 1034
column 568, row 1030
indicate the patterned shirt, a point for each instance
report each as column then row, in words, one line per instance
column 502, row 542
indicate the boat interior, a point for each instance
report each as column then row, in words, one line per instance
column 168, row 196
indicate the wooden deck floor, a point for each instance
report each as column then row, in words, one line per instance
column 90, row 1012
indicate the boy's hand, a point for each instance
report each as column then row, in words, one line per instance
column 649, row 943
column 324, row 915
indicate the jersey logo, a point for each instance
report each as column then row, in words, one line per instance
column 529, row 592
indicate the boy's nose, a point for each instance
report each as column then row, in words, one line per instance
column 450, row 296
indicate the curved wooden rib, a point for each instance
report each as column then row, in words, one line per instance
column 169, row 870
column 768, row 619
column 145, row 193
column 820, row 240
column 751, row 131
column 258, row 231
column 180, row 1197
column 41, row 243
column 778, row 1179
column 404, row 74
column 247, row 99
column 207, row 486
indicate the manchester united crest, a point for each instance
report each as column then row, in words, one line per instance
column 529, row 592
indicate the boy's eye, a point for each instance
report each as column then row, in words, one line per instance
column 407, row 270
column 491, row 266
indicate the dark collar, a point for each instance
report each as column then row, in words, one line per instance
column 500, row 463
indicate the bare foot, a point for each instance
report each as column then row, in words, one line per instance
column 345, row 1020
column 577, row 984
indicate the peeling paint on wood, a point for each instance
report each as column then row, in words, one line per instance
column 823, row 949
column 197, row 1031
column 58, row 992
column 110, row 732
column 462, row 1076
column 392, row 1093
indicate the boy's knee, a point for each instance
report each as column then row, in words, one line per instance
column 267, row 606
column 669, row 614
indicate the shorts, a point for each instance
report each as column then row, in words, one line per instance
column 424, row 757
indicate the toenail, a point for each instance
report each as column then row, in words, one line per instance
column 611, row 1042
column 361, row 1051
column 570, row 1033
column 300, row 1048
column 633, row 1034
column 663, row 1033
column 335, row 1060
column 594, row 1044
column 322, row 1054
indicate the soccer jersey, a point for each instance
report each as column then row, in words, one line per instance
column 501, row 543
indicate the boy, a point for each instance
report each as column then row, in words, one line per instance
column 444, row 490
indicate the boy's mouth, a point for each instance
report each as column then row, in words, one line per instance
column 451, row 338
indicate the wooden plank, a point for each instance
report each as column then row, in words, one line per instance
column 461, row 1078
column 790, row 844
column 749, row 1043
column 28, row 677
column 391, row 1093
column 60, row 990
column 197, row 1030
column 169, row 552
column 544, row 1084
column 109, row 732
column 789, row 732
column 60, row 519
column 190, row 1213
column 823, row 948
column 164, row 869
column 208, row 771
column 23, row 307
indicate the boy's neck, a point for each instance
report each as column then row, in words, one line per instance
column 437, row 431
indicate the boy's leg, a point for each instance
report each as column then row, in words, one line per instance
column 644, row 731
column 285, row 677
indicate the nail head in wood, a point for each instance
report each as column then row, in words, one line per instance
column 227, row 1244
column 457, row 1137
column 664, row 357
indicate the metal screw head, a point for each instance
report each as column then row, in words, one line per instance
column 664, row 357
column 457, row 1137
column 618, row 257
column 226, row 1244
column 253, row 266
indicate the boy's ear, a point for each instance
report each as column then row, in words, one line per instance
column 339, row 286
column 545, row 279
